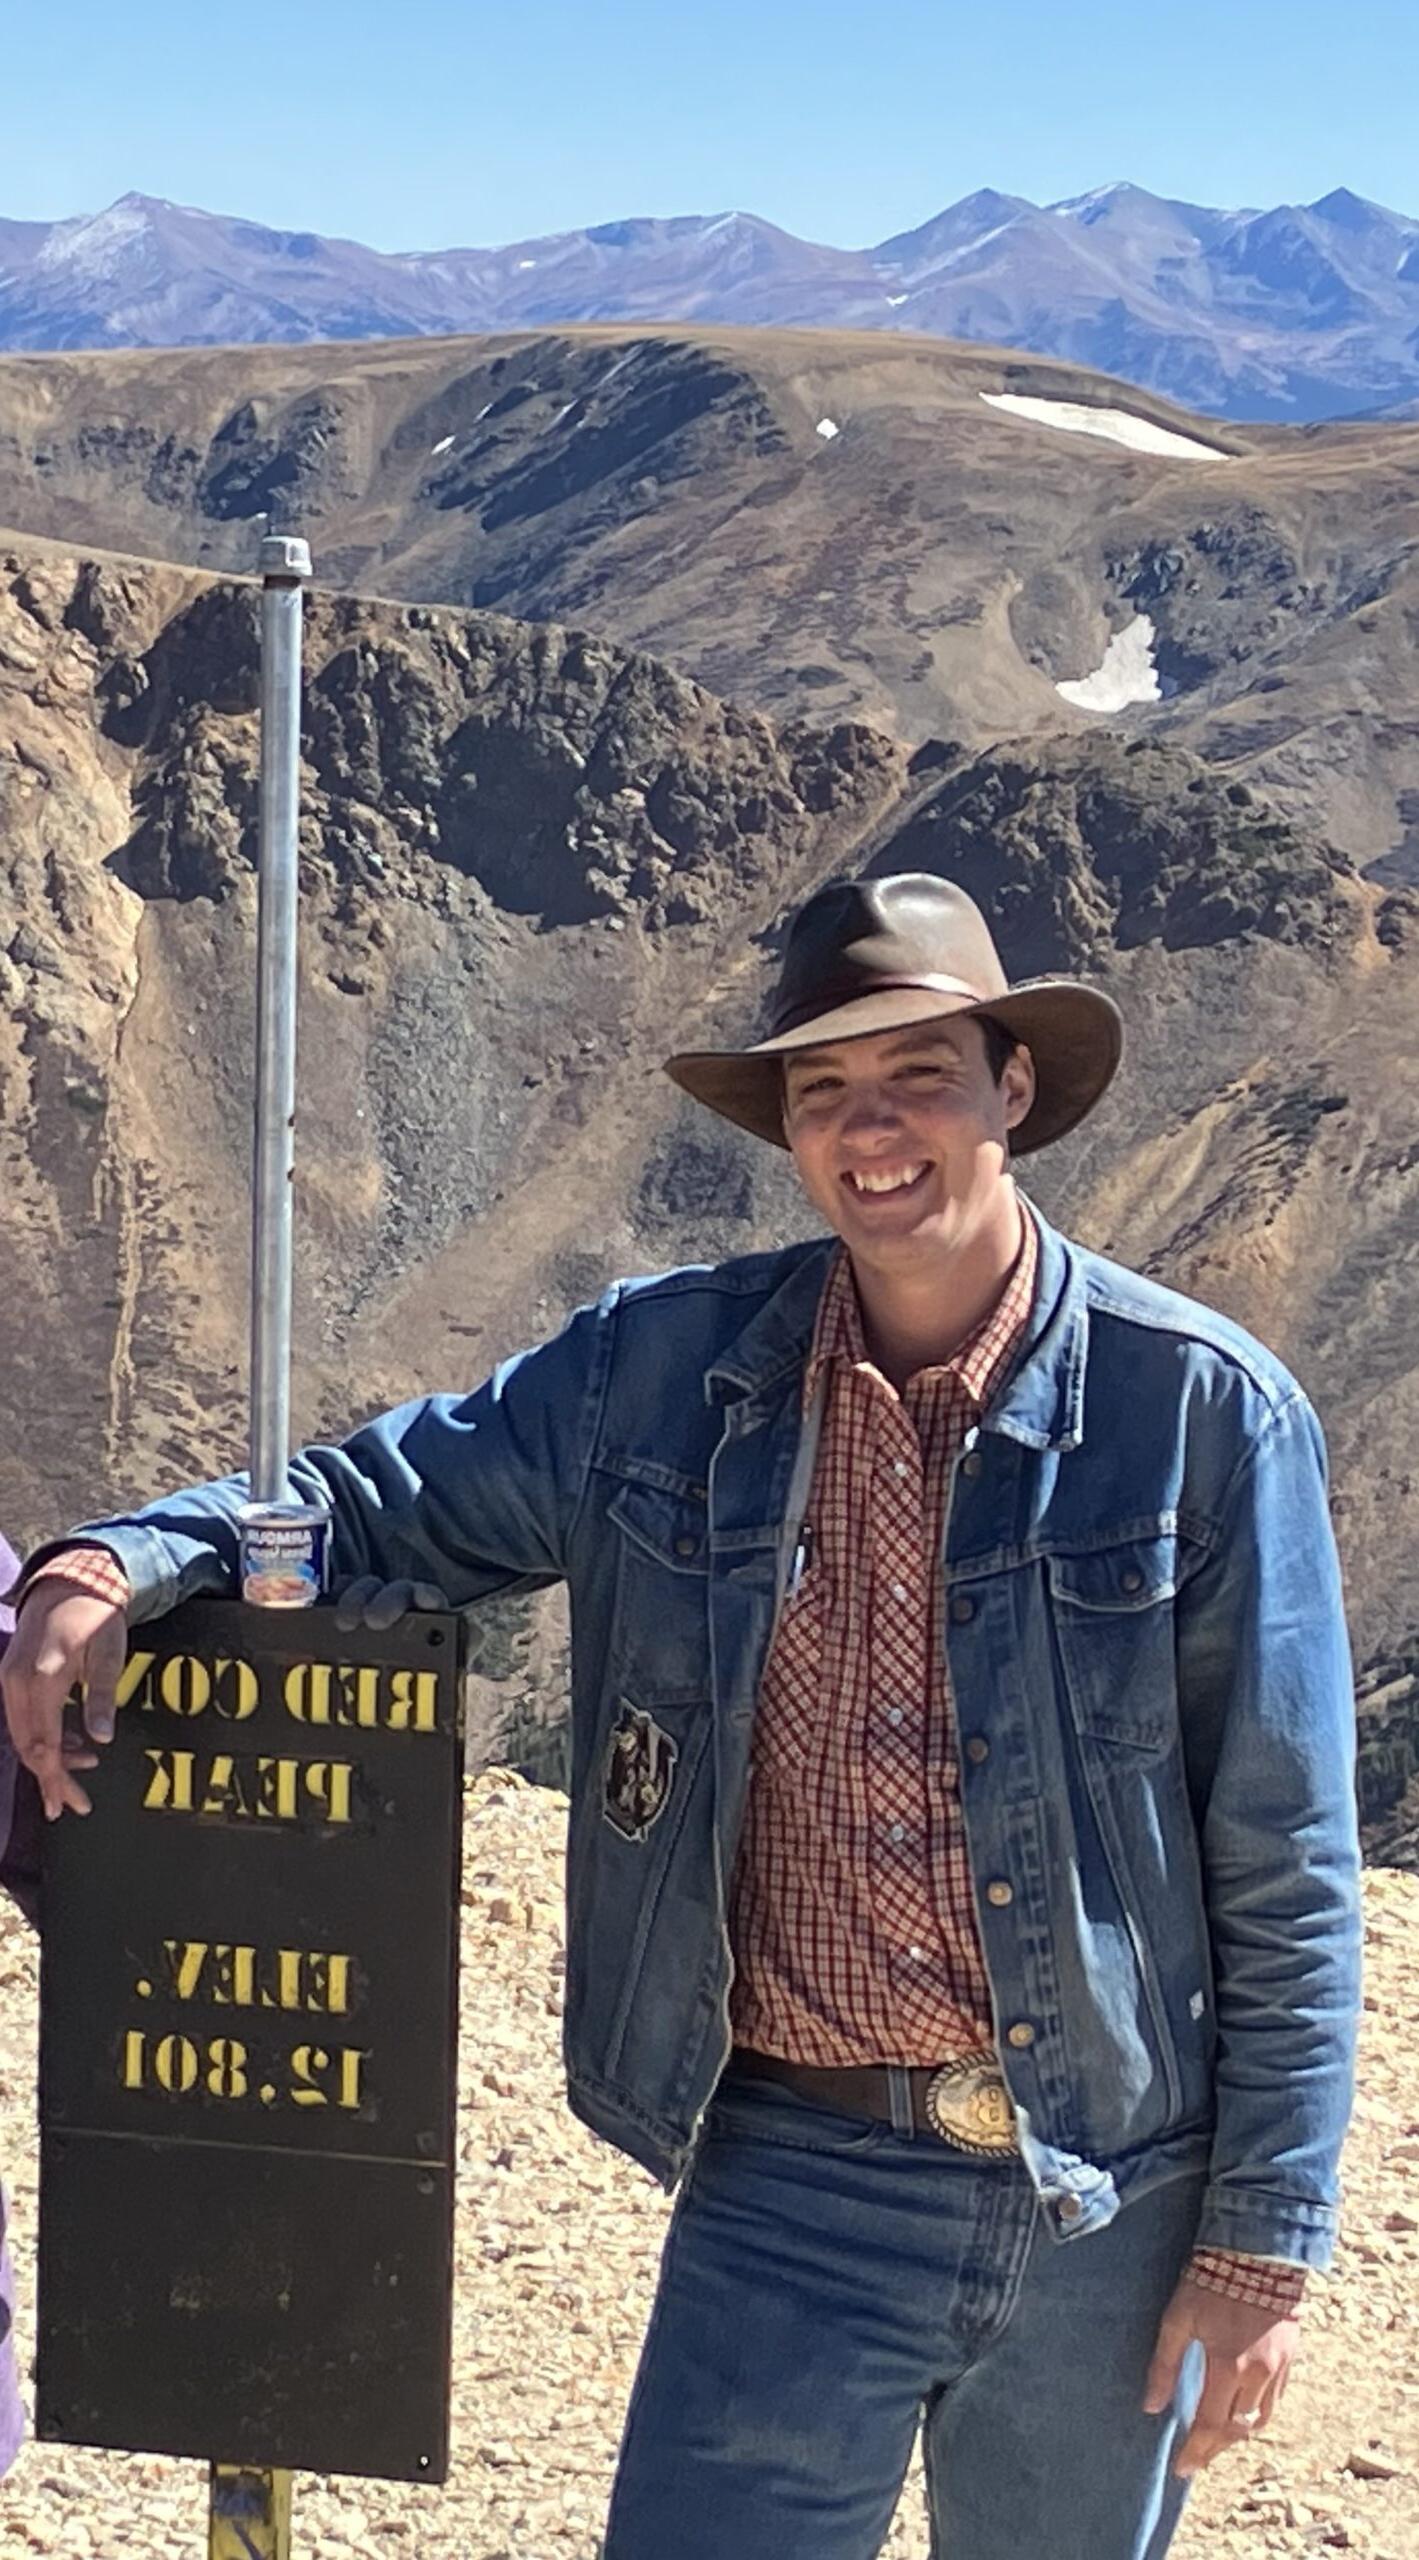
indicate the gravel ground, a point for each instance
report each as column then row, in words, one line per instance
column 557, row 2245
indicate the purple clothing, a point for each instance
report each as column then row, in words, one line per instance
column 20, row 1825
column 11, row 2415
column 9, row 1575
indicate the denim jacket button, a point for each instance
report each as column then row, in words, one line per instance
column 1132, row 1580
column 963, row 1608
column 977, row 1748
column 999, row 1892
column 971, row 1464
column 1020, row 2035
column 1070, row 2208
column 686, row 1546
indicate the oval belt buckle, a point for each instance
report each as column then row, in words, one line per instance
column 968, row 2105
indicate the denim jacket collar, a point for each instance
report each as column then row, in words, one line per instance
column 1042, row 1401
column 777, row 1337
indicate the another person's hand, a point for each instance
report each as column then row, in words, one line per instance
column 1248, row 2354
column 63, row 1635
column 368, row 1602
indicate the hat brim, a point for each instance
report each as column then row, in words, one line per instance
column 1074, row 1034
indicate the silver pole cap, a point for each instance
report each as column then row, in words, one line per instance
column 284, row 556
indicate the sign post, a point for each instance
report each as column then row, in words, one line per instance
column 248, row 1996
column 285, row 566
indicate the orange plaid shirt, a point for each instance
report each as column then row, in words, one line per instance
column 852, row 1909
column 853, row 1917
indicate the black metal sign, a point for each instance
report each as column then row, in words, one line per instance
column 248, row 2045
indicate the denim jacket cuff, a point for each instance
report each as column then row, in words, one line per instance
column 162, row 1569
column 1266, row 2225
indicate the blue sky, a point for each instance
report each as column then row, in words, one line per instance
column 434, row 125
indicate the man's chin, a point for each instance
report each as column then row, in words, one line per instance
column 934, row 1233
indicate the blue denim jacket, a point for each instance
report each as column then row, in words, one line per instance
column 1147, row 1651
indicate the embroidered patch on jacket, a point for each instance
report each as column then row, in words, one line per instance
column 640, row 1765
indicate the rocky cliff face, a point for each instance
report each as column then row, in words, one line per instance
column 533, row 863
column 526, row 855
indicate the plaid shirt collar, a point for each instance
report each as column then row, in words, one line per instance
column 980, row 1362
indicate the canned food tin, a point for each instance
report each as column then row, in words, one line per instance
column 284, row 1549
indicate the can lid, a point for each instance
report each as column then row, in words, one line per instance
column 252, row 1514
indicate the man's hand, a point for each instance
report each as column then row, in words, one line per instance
column 368, row 1602
column 63, row 1635
column 1248, row 2352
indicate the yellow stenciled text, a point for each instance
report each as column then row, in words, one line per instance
column 365, row 1693
column 187, row 1685
column 255, row 1787
column 236, row 1977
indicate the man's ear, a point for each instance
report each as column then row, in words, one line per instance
column 1018, row 1084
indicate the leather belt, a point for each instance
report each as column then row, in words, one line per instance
column 964, row 2103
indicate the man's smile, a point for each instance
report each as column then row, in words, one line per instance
column 885, row 1178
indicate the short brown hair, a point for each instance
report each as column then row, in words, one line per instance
column 1000, row 1045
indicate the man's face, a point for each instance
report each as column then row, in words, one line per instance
column 901, row 1138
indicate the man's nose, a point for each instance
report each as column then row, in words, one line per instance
column 870, row 1109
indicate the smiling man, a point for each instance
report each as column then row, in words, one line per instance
column 962, row 1895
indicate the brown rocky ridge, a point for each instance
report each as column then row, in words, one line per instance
column 937, row 565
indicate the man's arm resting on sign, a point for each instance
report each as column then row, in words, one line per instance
column 475, row 1494
column 465, row 1496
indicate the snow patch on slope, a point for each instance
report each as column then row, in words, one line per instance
column 1129, row 672
column 94, row 243
column 1118, row 426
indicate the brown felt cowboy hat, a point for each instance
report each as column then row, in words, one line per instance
column 877, row 955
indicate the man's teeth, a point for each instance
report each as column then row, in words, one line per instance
column 886, row 1181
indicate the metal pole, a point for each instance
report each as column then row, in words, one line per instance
column 285, row 565
column 249, row 2509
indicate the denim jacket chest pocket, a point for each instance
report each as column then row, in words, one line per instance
column 660, row 1634
column 1112, row 1612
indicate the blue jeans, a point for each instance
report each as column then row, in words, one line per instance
column 830, row 2285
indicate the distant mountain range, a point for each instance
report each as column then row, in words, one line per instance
column 1299, row 313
